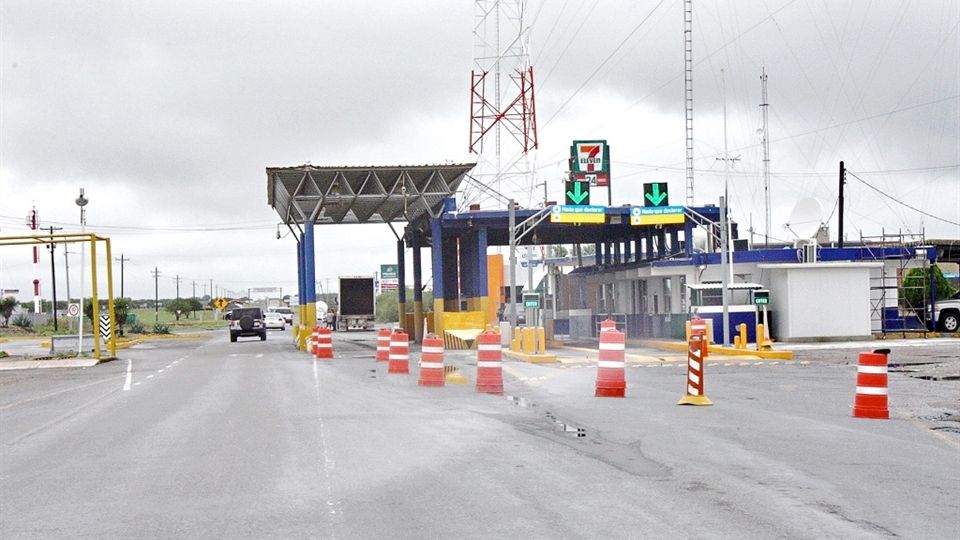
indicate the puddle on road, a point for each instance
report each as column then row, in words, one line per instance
column 565, row 427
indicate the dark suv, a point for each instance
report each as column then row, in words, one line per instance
column 247, row 322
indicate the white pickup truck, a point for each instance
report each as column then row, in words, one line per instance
column 947, row 314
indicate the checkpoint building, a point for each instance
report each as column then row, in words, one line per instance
column 648, row 269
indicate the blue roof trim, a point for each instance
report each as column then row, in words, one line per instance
column 789, row 255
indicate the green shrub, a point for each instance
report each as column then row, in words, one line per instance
column 3, row 354
column 22, row 321
column 137, row 328
column 915, row 289
column 160, row 328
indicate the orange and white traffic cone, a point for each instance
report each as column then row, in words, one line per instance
column 489, row 363
column 399, row 353
column 695, row 384
column 431, row 361
column 383, row 345
column 871, row 398
column 324, row 345
column 611, row 381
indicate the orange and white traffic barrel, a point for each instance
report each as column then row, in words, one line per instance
column 871, row 398
column 324, row 343
column 608, row 323
column 695, row 384
column 383, row 345
column 399, row 352
column 431, row 361
column 489, row 363
column 312, row 340
column 611, row 381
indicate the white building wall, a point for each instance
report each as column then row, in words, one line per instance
column 820, row 300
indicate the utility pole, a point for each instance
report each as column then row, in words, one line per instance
column 177, row 306
column 53, row 276
column 156, row 294
column 843, row 180
column 764, row 106
column 194, row 297
column 122, row 260
column 66, row 262
column 725, row 262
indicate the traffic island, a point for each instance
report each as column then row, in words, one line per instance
column 719, row 349
column 534, row 358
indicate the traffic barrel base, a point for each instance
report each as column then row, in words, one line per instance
column 399, row 353
column 611, row 381
column 871, row 398
column 431, row 361
column 383, row 345
column 489, row 363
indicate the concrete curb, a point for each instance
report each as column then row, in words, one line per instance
column 729, row 351
column 45, row 364
column 531, row 358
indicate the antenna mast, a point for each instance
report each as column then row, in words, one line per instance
column 688, row 90
column 764, row 106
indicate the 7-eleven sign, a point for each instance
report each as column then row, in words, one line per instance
column 591, row 161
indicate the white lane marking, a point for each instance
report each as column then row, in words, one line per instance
column 129, row 379
column 138, row 383
column 328, row 462
column 260, row 355
column 169, row 366
column 161, row 370
column 150, row 376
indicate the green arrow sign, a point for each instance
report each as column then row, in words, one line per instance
column 578, row 193
column 655, row 194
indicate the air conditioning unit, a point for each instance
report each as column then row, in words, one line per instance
column 806, row 250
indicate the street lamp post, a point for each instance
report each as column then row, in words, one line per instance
column 82, row 203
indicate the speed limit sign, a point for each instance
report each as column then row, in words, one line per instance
column 73, row 310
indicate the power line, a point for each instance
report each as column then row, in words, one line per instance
column 605, row 60
column 894, row 199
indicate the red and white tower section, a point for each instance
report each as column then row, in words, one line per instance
column 34, row 223
column 503, row 118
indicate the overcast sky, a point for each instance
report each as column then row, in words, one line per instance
column 167, row 113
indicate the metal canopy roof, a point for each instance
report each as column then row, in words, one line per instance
column 383, row 194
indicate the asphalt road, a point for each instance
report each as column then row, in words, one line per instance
column 255, row 440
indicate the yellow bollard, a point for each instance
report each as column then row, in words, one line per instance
column 529, row 344
column 515, row 341
column 742, row 327
column 688, row 332
column 736, row 342
column 541, row 340
column 763, row 343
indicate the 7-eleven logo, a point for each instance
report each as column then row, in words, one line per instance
column 590, row 157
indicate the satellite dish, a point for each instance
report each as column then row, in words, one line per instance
column 805, row 219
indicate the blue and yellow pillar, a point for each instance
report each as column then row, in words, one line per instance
column 308, row 301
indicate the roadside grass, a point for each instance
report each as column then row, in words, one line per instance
column 200, row 320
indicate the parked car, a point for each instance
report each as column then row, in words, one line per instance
column 246, row 322
column 285, row 311
column 947, row 315
column 272, row 319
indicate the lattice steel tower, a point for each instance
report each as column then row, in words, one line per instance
column 688, row 90
column 503, row 120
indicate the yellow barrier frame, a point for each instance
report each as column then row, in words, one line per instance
column 73, row 238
